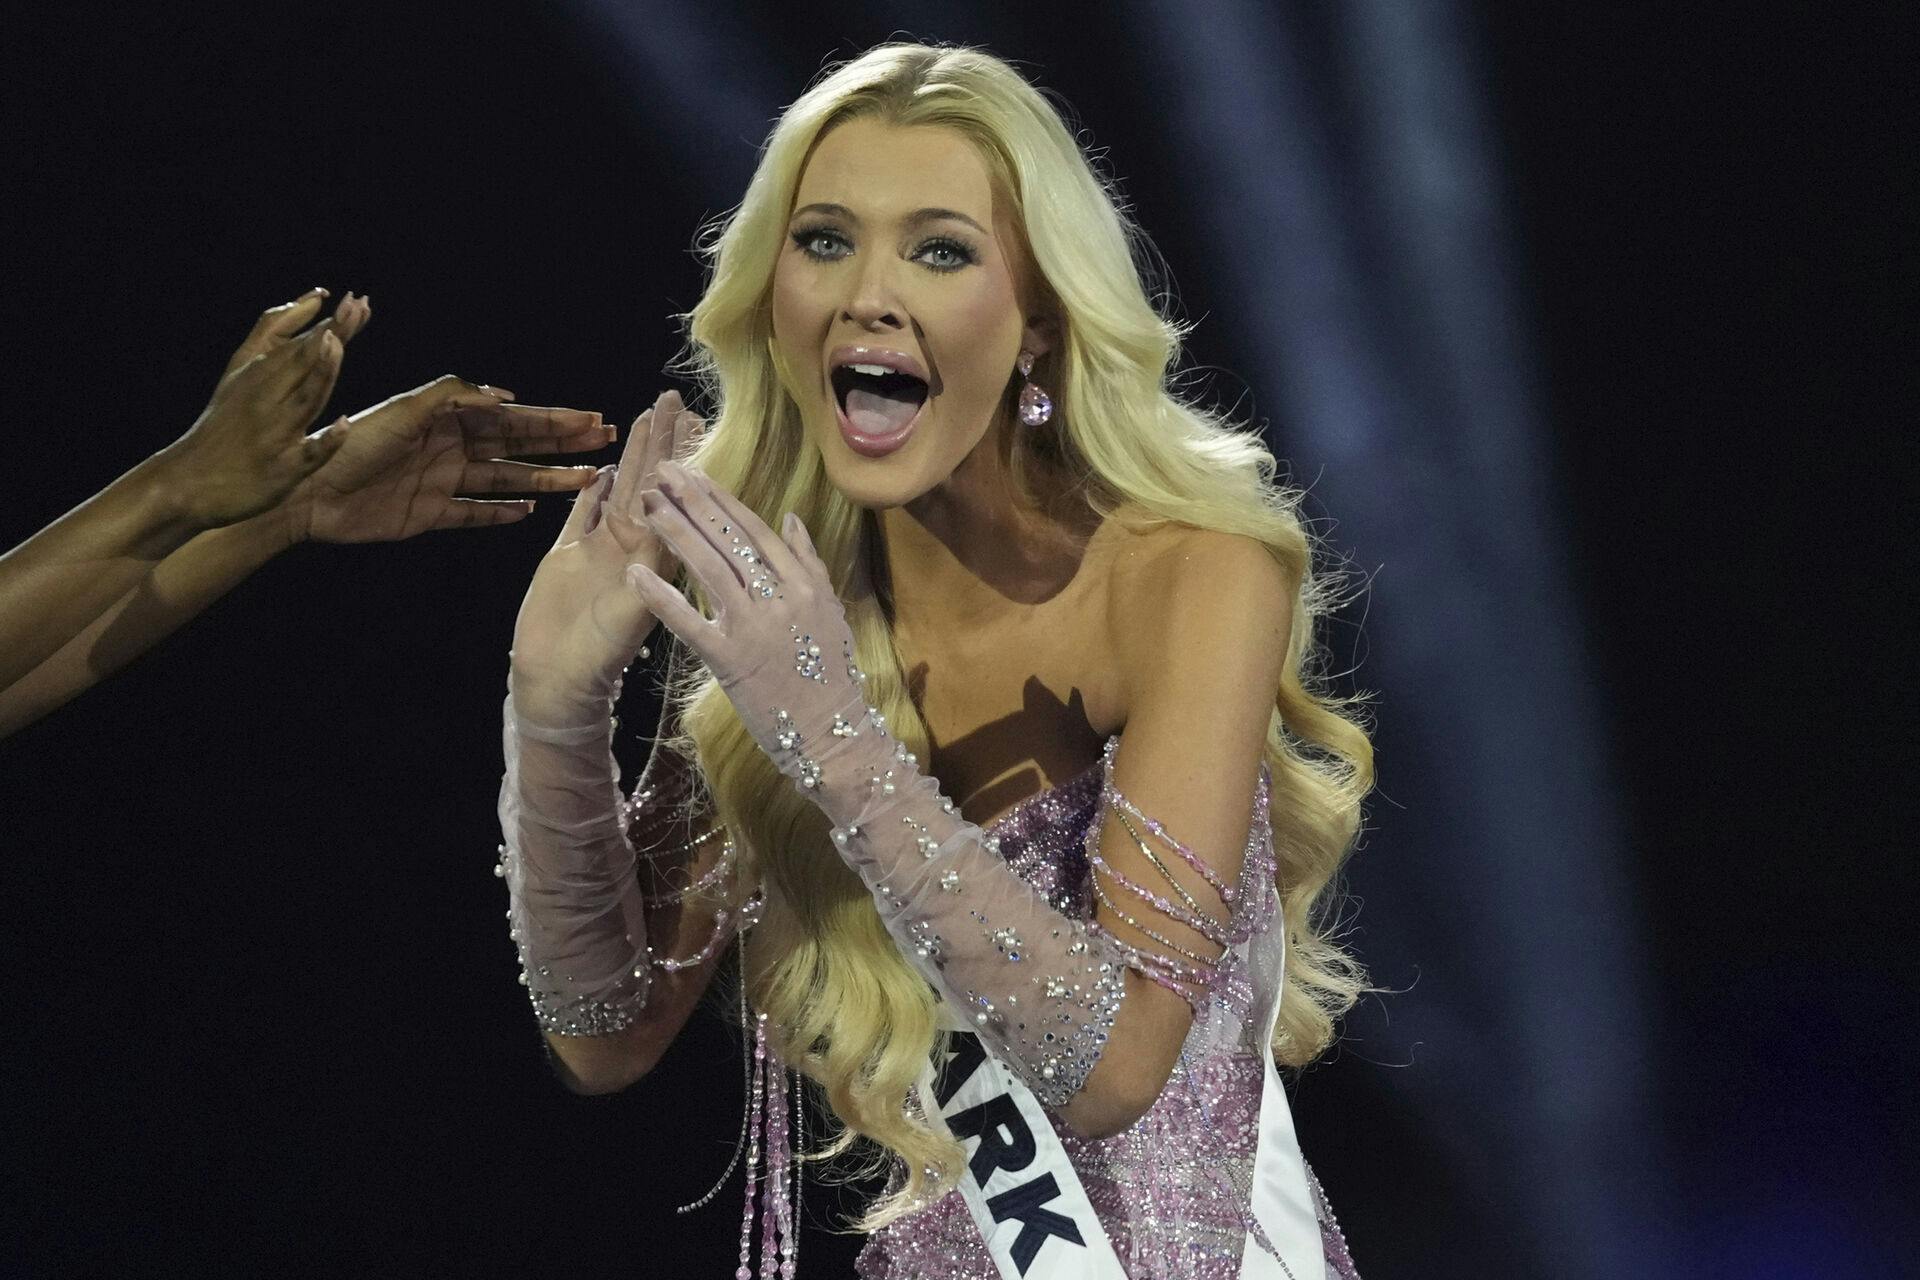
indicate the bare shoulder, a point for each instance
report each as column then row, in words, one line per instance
column 1167, row 556
column 1175, row 568
column 1215, row 606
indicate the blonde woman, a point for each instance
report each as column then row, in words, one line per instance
column 991, row 734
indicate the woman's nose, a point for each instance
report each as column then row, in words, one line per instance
column 873, row 304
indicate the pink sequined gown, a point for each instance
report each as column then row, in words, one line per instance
column 1172, row 1191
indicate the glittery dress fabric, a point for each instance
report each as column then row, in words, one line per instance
column 1173, row 1191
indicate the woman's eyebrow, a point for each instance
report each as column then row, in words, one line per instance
column 913, row 219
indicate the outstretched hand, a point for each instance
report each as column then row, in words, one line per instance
column 277, row 326
column 249, row 447
column 406, row 463
column 580, row 625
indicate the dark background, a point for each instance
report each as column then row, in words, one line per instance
column 264, row 1011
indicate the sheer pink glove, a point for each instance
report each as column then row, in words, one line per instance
column 578, row 918
column 579, row 626
column 1039, row 986
column 577, row 909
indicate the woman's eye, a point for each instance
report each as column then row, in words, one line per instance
column 821, row 243
column 945, row 255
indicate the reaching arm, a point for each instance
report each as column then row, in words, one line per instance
column 112, row 579
column 152, row 604
column 244, row 453
column 56, row 583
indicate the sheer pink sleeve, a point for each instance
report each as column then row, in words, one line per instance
column 576, row 912
column 1043, row 988
column 579, row 898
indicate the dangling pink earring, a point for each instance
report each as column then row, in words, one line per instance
column 1036, row 406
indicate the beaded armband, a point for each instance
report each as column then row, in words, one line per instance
column 1177, row 967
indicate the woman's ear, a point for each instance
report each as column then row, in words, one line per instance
column 1041, row 335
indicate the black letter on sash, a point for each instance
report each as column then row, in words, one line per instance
column 964, row 1054
column 1023, row 1203
column 985, row 1122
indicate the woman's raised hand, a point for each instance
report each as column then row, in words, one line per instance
column 580, row 624
column 778, row 642
column 249, row 447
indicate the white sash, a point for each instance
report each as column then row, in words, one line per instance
column 1030, row 1208
column 1282, row 1204
column 1025, row 1197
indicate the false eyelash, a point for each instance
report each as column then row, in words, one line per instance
column 959, row 248
column 804, row 237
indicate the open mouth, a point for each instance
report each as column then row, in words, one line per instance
column 877, row 402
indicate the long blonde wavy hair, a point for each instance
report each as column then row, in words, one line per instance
column 843, row 1005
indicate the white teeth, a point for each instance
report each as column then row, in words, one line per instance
column 876, row 370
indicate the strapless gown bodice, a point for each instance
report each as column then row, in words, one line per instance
column 1172, row 1191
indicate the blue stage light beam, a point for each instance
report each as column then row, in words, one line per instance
column 692, row 73
column 1365, row 272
